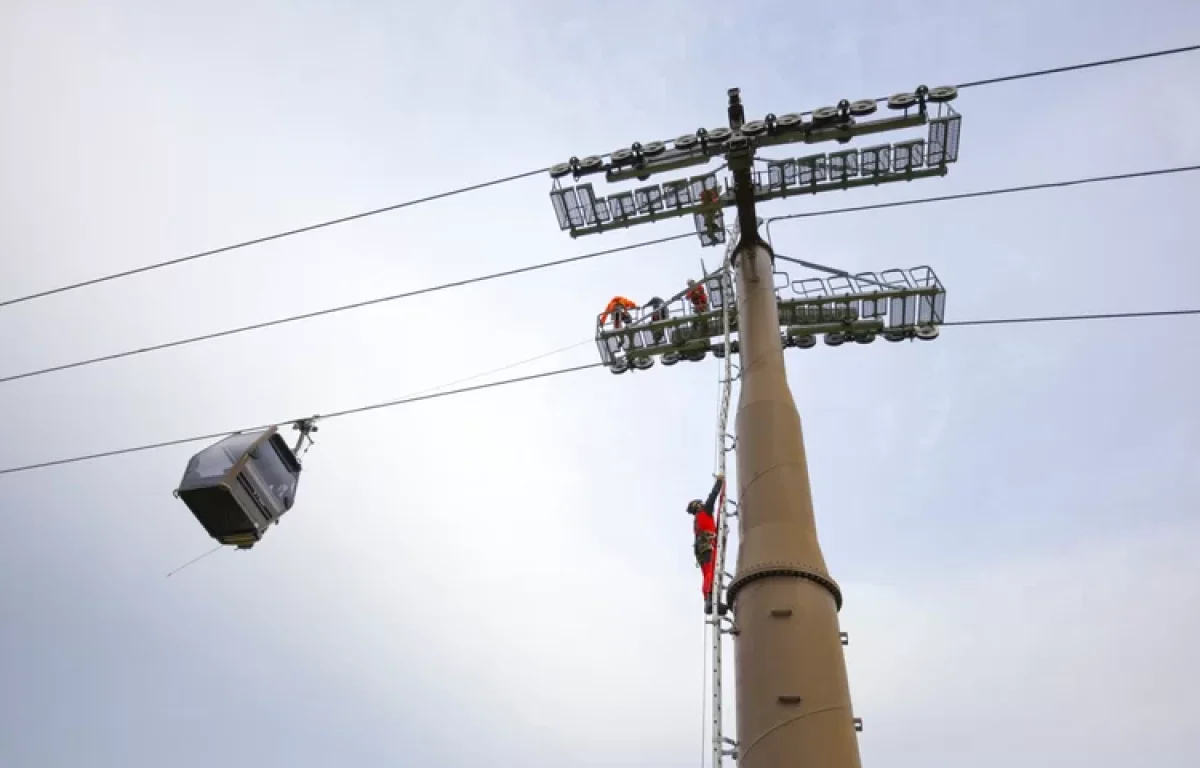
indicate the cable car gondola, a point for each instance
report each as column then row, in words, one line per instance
column 241, row 485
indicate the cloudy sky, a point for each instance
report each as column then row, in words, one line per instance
column 506, row 575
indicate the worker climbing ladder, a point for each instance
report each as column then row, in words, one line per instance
column 722, row 622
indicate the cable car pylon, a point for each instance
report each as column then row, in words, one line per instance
column 792, row 692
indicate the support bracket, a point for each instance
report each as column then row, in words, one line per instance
column 306, row 427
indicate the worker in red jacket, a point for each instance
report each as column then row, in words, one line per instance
column 704, row 531
column 697, row 296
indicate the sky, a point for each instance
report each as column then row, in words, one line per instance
column 506, row 575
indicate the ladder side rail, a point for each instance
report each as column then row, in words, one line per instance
column 723, row 447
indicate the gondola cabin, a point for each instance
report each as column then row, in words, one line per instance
column 239, row 486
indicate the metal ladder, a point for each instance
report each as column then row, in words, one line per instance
column 722, row 746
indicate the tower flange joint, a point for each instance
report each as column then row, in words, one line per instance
column 792, row 570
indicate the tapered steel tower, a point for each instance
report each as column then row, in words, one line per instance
column 793, row 699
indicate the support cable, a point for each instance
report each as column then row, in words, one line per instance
column 526, row 174
column 982, row 193
column 1067, row 318
column 324, row 417
column 546, row 374
column 334, row 310
column 1078, row 67
column 1061, row 70
column 270, row 238
column 581, row 257
column 194, row 560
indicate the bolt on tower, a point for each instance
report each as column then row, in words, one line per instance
column 792, row 695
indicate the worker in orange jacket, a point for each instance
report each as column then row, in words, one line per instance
column 619, row 308
column 704, row 533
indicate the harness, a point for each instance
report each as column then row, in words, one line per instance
column 704, row 545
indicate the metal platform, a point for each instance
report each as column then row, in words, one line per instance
column 580, row 211
column 896, row 304
column 681, row 335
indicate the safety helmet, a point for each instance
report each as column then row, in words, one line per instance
column 694, row 506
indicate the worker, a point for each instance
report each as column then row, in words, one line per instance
column 704, row 532
column 697, row 296
column 619, row 308
column 658, row 312
column 710, row 204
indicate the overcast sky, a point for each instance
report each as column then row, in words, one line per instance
column 507, row 575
